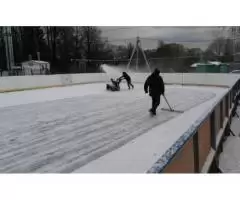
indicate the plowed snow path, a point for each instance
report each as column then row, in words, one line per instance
column 61, row 135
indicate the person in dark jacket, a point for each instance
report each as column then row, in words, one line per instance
column 155, row 86
column 128, row 79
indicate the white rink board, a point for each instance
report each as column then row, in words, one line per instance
column 28, row 82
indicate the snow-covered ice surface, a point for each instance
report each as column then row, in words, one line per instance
column 229, row 159
column 142, row 153
column 73, row 128
column 50, row 94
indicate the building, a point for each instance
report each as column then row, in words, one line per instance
column 211, row 67
column 35, row 67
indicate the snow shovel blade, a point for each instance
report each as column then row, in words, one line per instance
column 171, row 110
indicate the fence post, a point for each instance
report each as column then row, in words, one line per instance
column 226, row 106
column 221, row 114
column 213, row 130
column 196, row 152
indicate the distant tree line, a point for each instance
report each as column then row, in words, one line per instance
column 61, row 45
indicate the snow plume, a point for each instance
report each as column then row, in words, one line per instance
column 116, row 71
column 113, row 71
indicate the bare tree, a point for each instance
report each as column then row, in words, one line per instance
column 218, row 46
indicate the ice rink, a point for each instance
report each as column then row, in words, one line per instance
column 63, row 129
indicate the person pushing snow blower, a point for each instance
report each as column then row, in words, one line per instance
column 154, row 85
column 128, row 79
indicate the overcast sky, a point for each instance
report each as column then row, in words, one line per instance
column 193, row 37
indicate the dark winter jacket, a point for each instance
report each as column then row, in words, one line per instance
column 154, row 85
column 126, row 77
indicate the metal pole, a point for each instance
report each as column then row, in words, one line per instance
column 131, row 58
column 137, row 48
column 182, row 79
column 10, row 47
column 6, row 46
column 137, row 59
column 146, row 60
column 233, row 44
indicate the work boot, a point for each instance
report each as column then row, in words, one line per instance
column 152, row 111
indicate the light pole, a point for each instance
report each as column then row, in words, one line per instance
column 137, row 48
column 7, row 33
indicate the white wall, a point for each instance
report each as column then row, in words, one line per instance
column 210, row 79
column 24, row 82
column 20, row 82
column 192, row 78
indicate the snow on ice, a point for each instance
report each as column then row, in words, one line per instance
column 64, row 129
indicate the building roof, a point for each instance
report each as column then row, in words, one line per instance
column 36, row 61
column 195, row 64
column 209, row 62
column 215, row 62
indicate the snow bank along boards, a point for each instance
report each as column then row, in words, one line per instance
column 170, row 108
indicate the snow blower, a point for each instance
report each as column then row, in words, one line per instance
column 170, row 108
column 114, row 86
